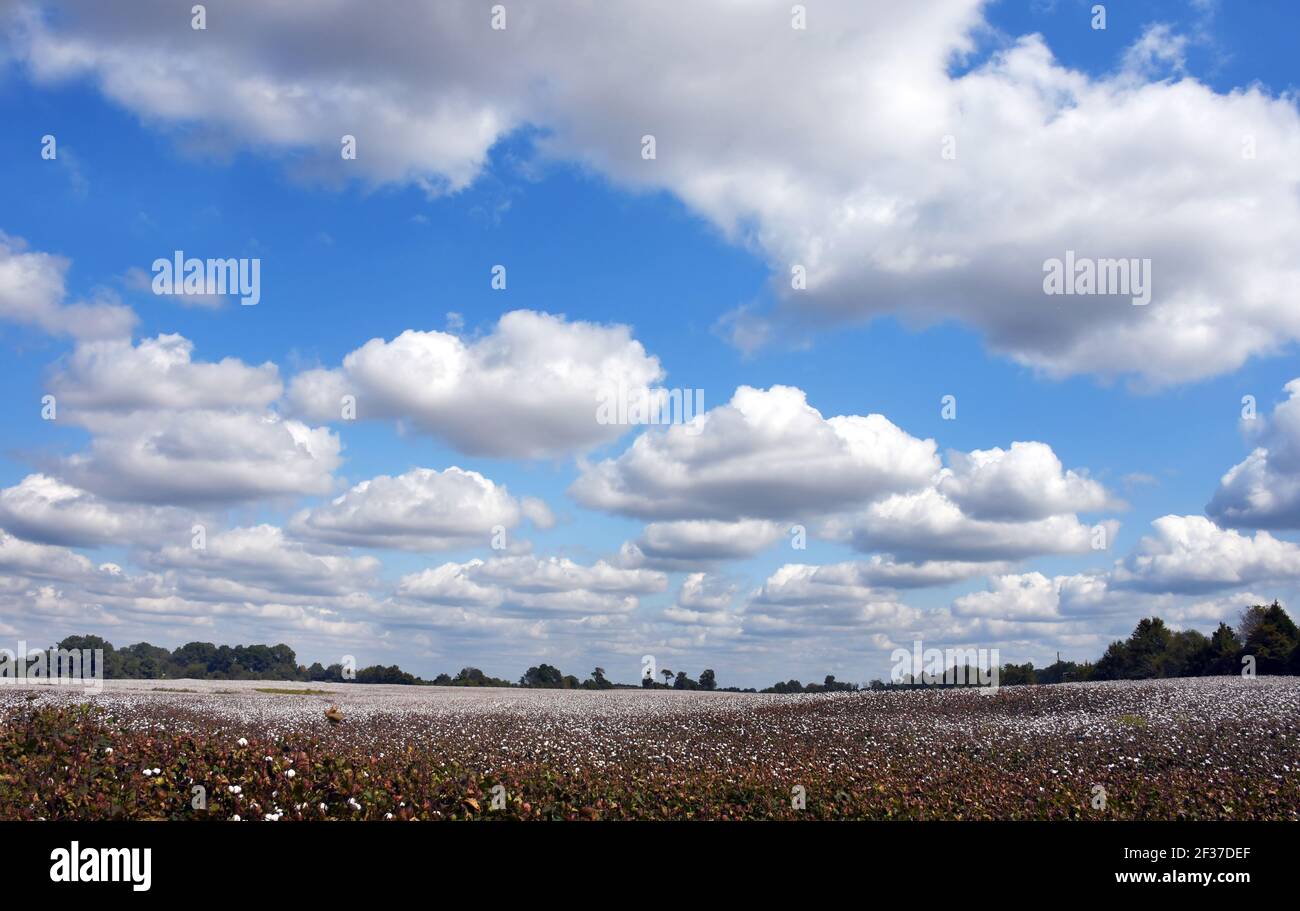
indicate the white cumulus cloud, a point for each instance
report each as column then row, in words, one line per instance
column 423, row 509
column 822, row 147
column 767, row 454
column 33, row 292
column 528, row 388
column 1263, row 490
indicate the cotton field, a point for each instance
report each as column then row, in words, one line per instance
column 1221, row 748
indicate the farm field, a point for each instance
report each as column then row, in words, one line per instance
column 1196, row 748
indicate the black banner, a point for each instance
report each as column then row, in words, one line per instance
column 940, row 860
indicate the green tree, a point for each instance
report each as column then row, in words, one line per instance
column 1114, row 664
column 1187, row 655
column 1148, row 649
column 149, row 661
column 1223, row 655
column 1017, row 674
column 598, row 681
column 543, row 676
column 112, row 666
column 469, row 676
column 1270, row 635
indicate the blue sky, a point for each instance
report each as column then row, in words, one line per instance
column 349, row 255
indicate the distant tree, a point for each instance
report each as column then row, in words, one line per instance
column 598, row 681
column 86, row 642
column 1114, row 663
column 112, row 661
column 472, row 676
column 831, row 685
column 1061, row 672
column 1250, row 619
column 469, row 676
column 380, row 674
column 1017, row 674
column 222, row 664
column 1144, row 655
column 1223, row 654
column 1148, row 648
column 543, row 676
column 1270, row 636
column 195, row 655
column 149, row 661
column 708, row 680
column 1188, row 653
column 668, row 675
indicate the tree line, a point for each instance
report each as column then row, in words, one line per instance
column 1266, row 641
column 208, row 661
